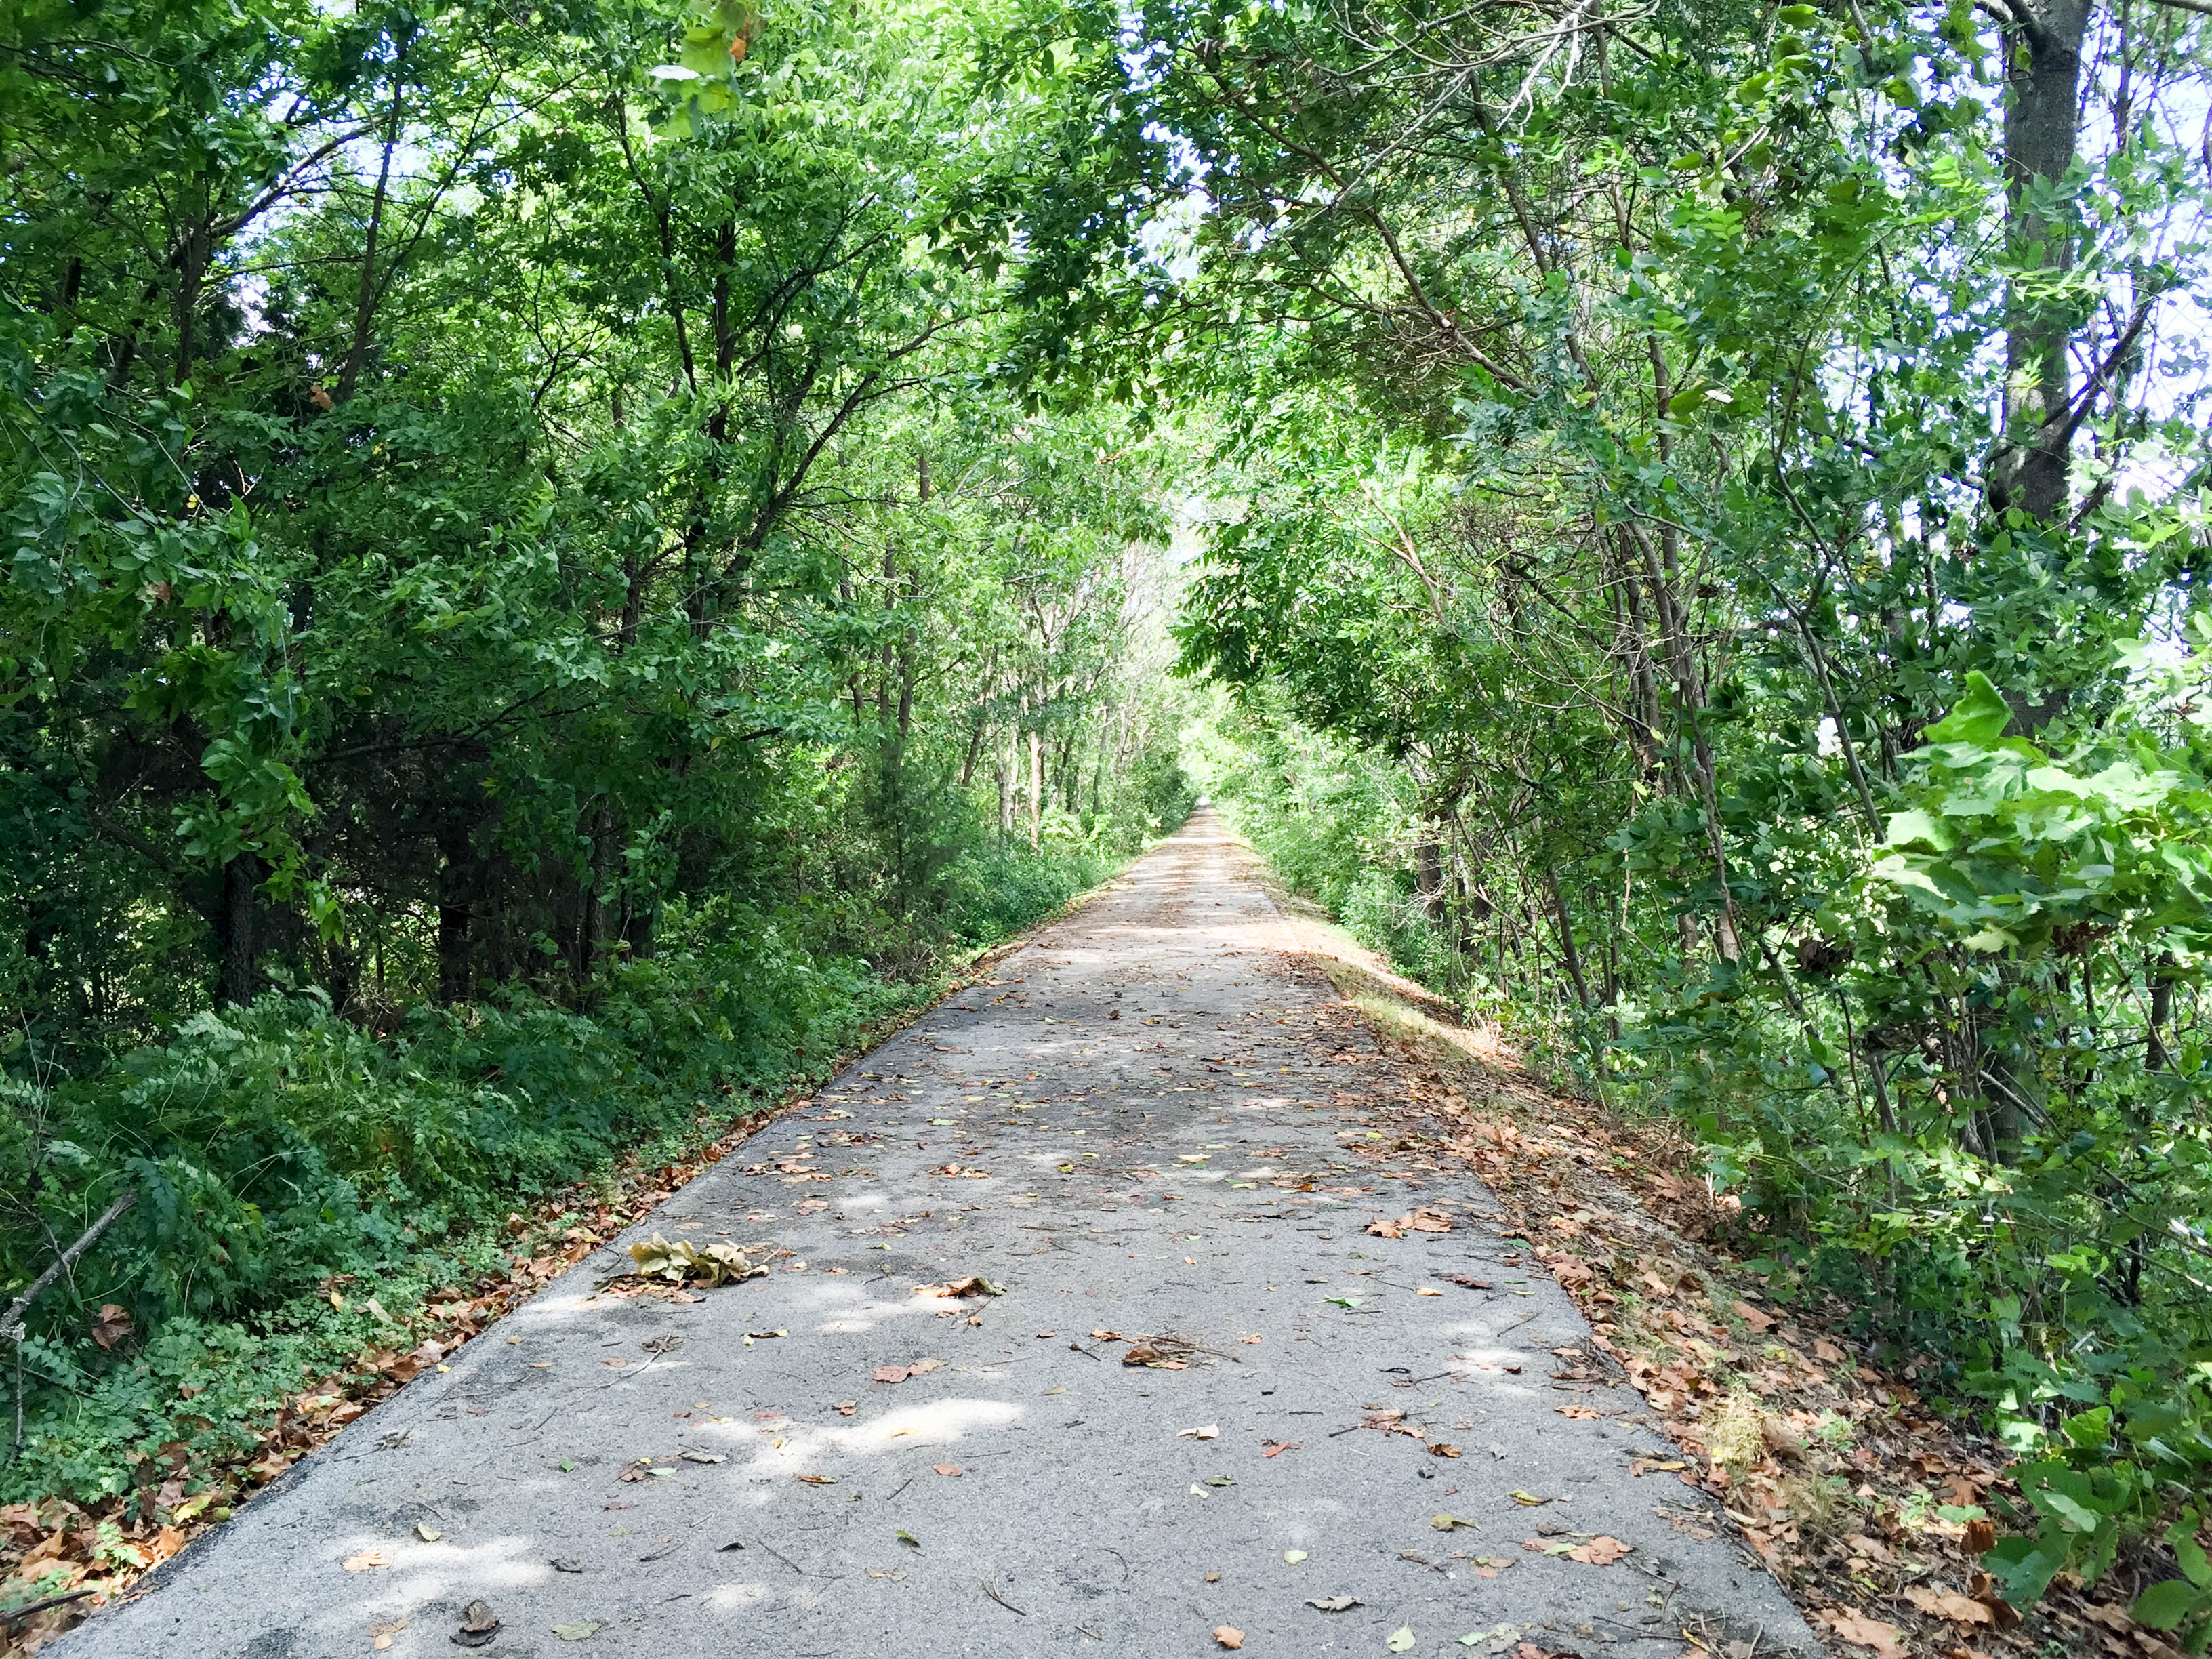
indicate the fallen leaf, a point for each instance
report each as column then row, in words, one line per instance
column 1579, row 1413
column 1229, row 1635
column 1108, row 1336
column 1949, row 1604
column 1401, row 1639
column 888, row 1374
column 1425, row 1290
column 479, row 1624
column 846, row 1408
column 1827, row 1351
column 578, row 1630
column 1530, row 1498
column 1294, row 1556
column 1981, row 1536
column 1382, row 1228
column 569, row 1563
column 1599, row 1551
column 817, row 1479
column 113, row 1325
column 702, row 1457
column 906, row 1537
column 1277, row 1447
column 1334, row 1603
column 1210, row 1432
column 1862, row 1631
column 923, row 1367
column 379, row 1635
column 1443, row 1448
column 427, row 1533
column 946, row 1468
column 1446, row 1522
column 1751, row 1317
column 366, row 1560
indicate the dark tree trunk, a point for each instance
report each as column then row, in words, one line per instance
column 1429, row 876
column 241, row 877
column 458, row 889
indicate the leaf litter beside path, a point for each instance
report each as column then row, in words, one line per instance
column 63, row 1559
column 1867, row 1507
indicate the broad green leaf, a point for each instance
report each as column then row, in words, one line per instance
column 1979, row 717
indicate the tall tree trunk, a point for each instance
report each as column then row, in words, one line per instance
column 594, row 930
column 1036, row 788
column 2043, row 86
column 1568, row 951
column 364, row 305
column 241, row 878
column 457, row 885
column 1429, row 877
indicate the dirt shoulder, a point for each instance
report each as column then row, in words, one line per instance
column 1864, row 1505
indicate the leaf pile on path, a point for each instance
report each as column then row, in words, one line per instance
column 1870, row 1509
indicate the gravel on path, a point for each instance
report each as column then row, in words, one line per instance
column 1138, row 1129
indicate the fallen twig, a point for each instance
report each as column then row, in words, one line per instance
column 14, row 1613
column 11, row 1322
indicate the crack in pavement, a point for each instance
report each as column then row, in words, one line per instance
column 1139, row 1127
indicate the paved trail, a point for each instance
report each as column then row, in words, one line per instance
column 1110, row 1130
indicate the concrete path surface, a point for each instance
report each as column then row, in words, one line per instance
column 1138, row 1130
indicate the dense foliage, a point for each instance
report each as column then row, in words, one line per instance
column 564, row 556
column 528, row 625
column 1709, row 549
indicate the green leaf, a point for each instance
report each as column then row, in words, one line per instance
column 1979, row 717
column 2166, row 1604
column 1401, row 1639
column 2181, row 1538
column 1914, row 824
column 2079, row 1516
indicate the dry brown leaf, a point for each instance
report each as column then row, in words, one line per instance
column 1599, row 1551
column 113, row 1325
column 1862, row 1631
column 817, row 1479
column 1948, row 1604
column 1229, row 1635
column 947, row 1468
column 1751, row 1317
column 366, row 1560
column 1779, row 1441
column 888, row 1374
column 1827, row 1351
